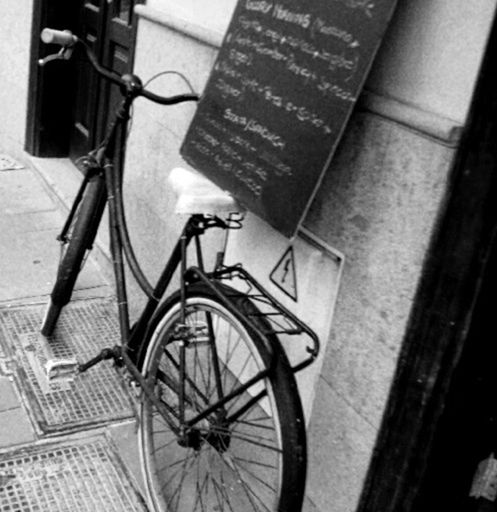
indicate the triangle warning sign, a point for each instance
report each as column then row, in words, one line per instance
column 284, row 274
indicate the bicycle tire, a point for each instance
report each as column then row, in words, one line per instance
column 246, row 466
column 83, row 231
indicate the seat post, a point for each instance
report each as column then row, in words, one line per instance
column 222, row 253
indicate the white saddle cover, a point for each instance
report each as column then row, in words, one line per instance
column 198, row 195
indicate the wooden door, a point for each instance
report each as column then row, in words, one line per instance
column 108, row 28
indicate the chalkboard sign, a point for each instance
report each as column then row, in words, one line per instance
column 278, row 98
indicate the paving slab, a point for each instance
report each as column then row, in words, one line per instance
column 15, row 425
column 9, row 399
column 84, row 474
column 30, row 219
column 29, row 252
column 96, row 397
column 21, row 192
column 125, row 437
column 28, row 266
column 15, row 428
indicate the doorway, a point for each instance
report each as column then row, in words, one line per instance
column 108, row 27
column 467, row 431
column 440, row 420
column 69, row 105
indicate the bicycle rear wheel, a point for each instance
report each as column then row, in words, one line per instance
column 249, row 455
column 81, row 236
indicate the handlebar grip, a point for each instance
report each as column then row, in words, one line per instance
column 62, row 37
column 169, row 100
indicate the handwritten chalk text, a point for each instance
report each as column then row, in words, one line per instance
column 253, row 126
column 258, row 6
column 297, row 18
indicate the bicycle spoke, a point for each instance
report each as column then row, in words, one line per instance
column 210, row 390
column 265, row 432
column 199, row 369
column 232, row 459
column 215, row 335
column 177, row 491
column 172, row 465
column 230, row 353
column 199, row 489
column 254, row 440
column 256, row 463
column 180, row 462
column 249, row 493
column 238, row 381
column 191, row 382
column 164, row 446
column 220, row 491
column 254, row 422
column 255, row 477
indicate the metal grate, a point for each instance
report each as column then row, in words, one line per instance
column 75, row 476
column 84, row 328
column 7, row 163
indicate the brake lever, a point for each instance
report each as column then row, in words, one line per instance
column 64, row 53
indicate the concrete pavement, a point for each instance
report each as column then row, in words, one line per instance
column 30, row 219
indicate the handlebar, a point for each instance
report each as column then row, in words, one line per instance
column 131, row 83
column 60, row 37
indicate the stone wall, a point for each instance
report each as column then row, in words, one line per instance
column 377, row 205
column 15, row 43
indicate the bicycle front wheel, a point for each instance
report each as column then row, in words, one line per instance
column 246, row 455
column 81, row 236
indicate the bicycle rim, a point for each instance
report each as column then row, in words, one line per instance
column 80, row 236
column 82, row 231
column 246, row 465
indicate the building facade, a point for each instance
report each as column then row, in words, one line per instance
column 377, row 209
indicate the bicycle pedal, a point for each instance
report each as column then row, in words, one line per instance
column 61, row 370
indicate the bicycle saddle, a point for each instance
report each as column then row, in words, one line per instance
column 198, row 195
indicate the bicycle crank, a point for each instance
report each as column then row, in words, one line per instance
column 67, row 369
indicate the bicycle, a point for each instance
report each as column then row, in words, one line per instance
column 221, row 423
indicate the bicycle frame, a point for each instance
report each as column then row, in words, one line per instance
column 132, row 351
column 209, row 327
column 100, row 162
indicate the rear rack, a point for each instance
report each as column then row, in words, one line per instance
column 278, row 318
